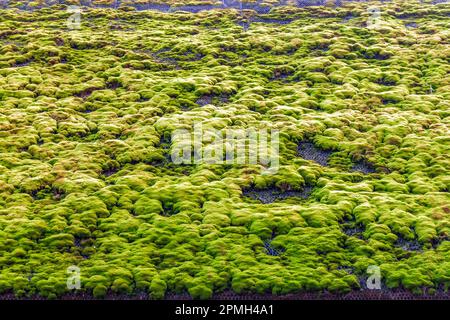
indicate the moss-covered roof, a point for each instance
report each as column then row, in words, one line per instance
column 86, row 117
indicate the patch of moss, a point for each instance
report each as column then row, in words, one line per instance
column 86, row 133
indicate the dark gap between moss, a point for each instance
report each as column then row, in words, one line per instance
column 273, row 194
column 309, row 151
column 363, row 167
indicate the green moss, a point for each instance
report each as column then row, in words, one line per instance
column 158, row 288
column 220, row 220
column 59, row 241
column 364, row 213
column 200, row 291
column 86, row 127
column 99, row 291
column 120, row 286
column 147, row 206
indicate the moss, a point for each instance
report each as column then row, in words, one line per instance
column 147, row 206
column 120, row 286
column 99, row 291
column 59, row 240
column 364, row 213
column 200, row 291
column 158, row 288
column 425, row 229
column 5, row 286
column 86, row 175
column 261, row 229
column 50, row 288
column 319, row 216
column 220, row 220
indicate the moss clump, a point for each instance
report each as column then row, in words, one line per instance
column 158, row 288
